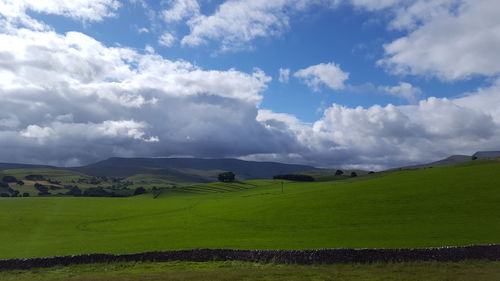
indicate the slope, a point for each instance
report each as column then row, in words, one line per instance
column 455, row 205
column 126, row 167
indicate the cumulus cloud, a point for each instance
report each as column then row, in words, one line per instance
column 15, row 11
column 68, row 99
column 181, row 9
column 83, row 101
column 380, row 137
column 236, row 23
column 166, row 39
column 404, row 90
column 455, row 45
column 284, row 75
column 327, row 74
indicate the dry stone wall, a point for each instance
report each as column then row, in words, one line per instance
column 320, row 256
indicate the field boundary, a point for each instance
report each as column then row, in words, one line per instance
column 319, row 256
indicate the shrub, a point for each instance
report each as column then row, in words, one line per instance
column 41, row 188
column 9, row 179
column 74, row 191
column 354, row 174
column 96, row 192
column 294, row 177
column 139, row 190
column 226, row 177
column 35, row 177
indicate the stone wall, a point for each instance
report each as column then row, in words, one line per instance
column 320, row 256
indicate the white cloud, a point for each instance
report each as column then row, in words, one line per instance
column 381, row 137
column 404, row 90
column 236, row 23
column 454, row 45
column 284, row 75
column 415, row 13
column 167, row 39
column 181, row 9
column 327, row 74
column 83, row 101
column 375, row 5
column 15, row 11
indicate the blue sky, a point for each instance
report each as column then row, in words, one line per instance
column 422, row 72
column 347, row 35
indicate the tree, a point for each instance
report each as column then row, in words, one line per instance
column 96, row 192
column 74, row 190
column 35, row 177
column 226, row 177
column 44, row 193
column 41, row 188
column 339, row 172
column 139, row 190
column 26, row 194
column 294, row 177
column 354, row 174
column 9, row 179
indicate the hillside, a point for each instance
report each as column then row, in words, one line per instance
column 11, row 166
column 454, row 205
column 126, row 167
column 486, row 154
column 452, row 160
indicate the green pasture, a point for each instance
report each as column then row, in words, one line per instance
column 460, row 271
column 456, row 205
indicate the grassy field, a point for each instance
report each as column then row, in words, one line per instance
column 462, row 271
column 455, row 205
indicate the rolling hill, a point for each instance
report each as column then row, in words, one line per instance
column 452, row 160
column 126, row 167
column 445, row 206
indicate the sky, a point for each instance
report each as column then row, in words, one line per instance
column 329, row 83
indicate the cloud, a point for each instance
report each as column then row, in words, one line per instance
column 83, row 101
column 68, row 99
column 181, row 9
column 404, row 90
column 166, row 39
column 142, row 30
column 16, row 11
column 451, row 45
column 236, row 23
column 380, row 137
column 327, row 74
column 284, row 75
column 375, row 5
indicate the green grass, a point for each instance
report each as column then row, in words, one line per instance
column 462, row 271
column 54, row 174
column 455, row 205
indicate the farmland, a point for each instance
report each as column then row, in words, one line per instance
column 455, row 205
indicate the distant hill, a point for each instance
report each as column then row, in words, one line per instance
column 12, row 166
column 452, row 160
column 486, row 154
column 188, row 167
